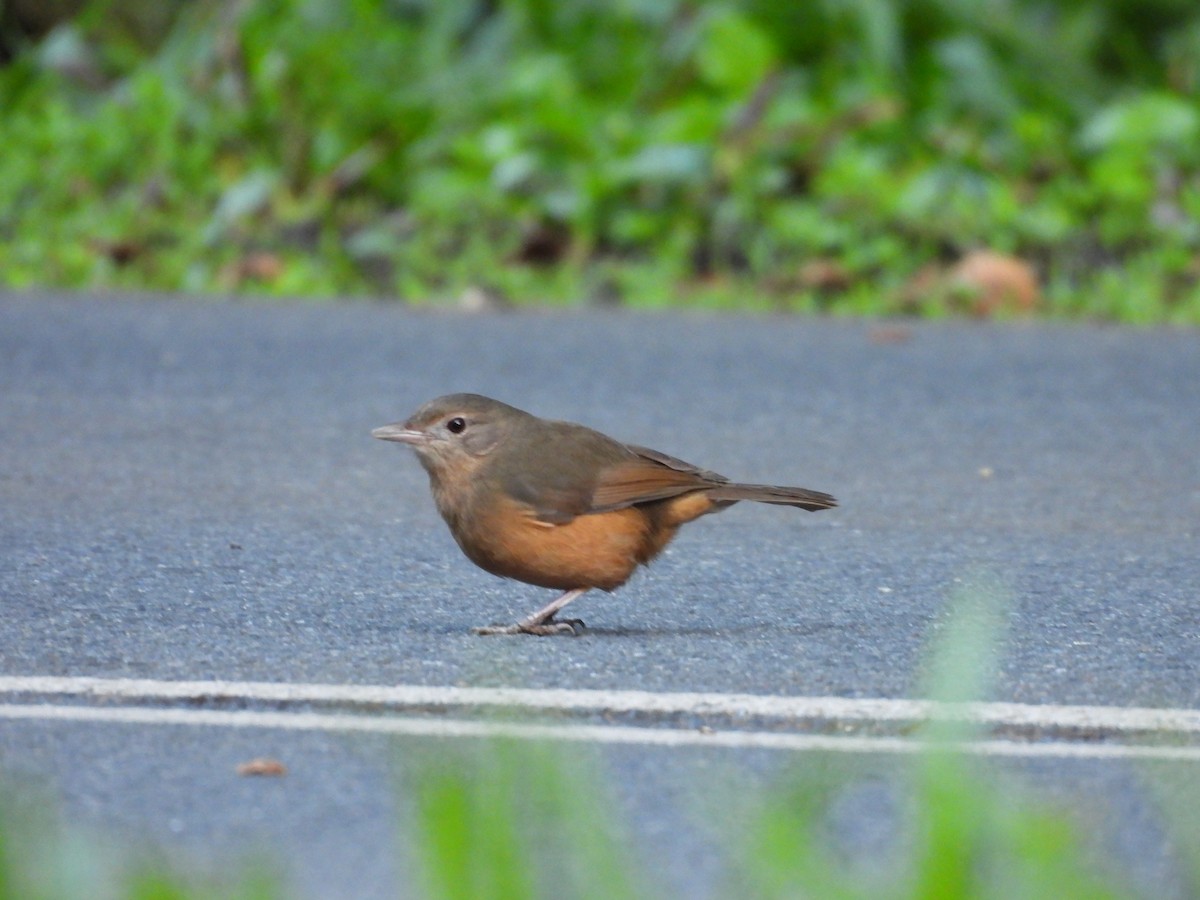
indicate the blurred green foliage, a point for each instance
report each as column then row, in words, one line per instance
column 823, row 155
column 522, row 820
column 512, row 820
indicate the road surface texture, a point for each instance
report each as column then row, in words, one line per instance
column 190, row 493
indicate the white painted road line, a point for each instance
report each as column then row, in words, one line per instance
column 595, row 734
column 1174, row 723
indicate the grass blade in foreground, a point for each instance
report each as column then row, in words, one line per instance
column 511, row 820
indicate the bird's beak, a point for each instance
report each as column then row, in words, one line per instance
column 398, row 432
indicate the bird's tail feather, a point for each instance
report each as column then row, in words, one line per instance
column 770, row 493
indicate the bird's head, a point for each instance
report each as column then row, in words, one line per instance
column 453, row 432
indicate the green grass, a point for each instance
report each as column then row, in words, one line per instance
column 662, row 154
column 516, row 820
column 510, row 822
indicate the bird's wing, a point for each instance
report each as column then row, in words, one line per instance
column 646, row 476
column 627, row 484
column 672, row 462
column 618, row 475
column 569, row 458
column 552, row 500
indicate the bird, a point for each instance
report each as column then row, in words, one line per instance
column 560, row 505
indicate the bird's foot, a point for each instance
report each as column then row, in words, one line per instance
column 573, row 627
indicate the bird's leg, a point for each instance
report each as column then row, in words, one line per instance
column 541, row 622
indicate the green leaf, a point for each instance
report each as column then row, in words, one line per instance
column 246, row 196
column 734, row 53
column 1144, row 121
column 668, row 163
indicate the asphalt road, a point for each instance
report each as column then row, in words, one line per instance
column 190, row 491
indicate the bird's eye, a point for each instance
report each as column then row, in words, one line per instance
column 457, row 425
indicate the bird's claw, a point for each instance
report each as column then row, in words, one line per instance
column 573, row 627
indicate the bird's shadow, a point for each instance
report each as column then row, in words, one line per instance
column 799, row 629
column 714, row 630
